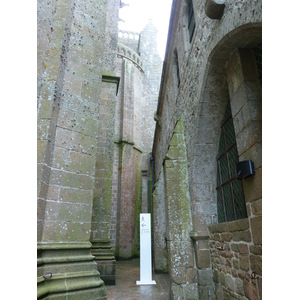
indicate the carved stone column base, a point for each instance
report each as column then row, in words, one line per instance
column 106, row 262
column 68, row 271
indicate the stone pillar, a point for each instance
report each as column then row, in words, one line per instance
column 106, row 262
column 160, row 257
column 69, row 85
column 128, row 132
column 182, row 269
column 102, row 194
column 130, row 204
column 102, row 198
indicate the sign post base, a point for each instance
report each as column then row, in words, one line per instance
column 138, row 282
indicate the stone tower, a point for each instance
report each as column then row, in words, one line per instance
column 139, row 68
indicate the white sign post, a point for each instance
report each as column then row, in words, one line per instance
column 145, row 251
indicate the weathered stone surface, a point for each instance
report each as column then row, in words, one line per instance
column 234, row 247
column 256, row 264
column 257, row 207
column 205, row 276
column 256, row 228
column 219, row 292
column 250, row 290
column 229, row 282
column 253, row 186
column 244, row 236
column 69, row 70
column 243, row 248
column 206, row 292
column 176, row 291
column 190, row 291
column 238, row 225
column 226, row 237
column 244, row 262
column 235, row 263
column 79, row 280
column 239, row 286
column 202, row 259
column 256, row 249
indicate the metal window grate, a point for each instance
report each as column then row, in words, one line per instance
column 230, row 196
column 258, row 57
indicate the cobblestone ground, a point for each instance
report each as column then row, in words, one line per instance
column 127, row 273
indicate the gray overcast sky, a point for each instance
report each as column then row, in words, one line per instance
column 138, row 12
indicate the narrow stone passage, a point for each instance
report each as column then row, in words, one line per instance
column 127, row 273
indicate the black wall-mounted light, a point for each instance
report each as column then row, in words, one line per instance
column 244, row 169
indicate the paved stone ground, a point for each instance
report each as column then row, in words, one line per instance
column 127, row 273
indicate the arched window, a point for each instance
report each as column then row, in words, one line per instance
column 230, row 194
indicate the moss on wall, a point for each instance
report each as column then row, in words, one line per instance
column 136, row 244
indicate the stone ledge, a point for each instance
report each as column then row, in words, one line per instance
column 237, row 225
column 199, row 235
column 71, row 283
column 63, row 245
column 68, row 268
column 111, row 78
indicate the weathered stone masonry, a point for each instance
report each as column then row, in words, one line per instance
column 139, row 68
column 71, row 44
column 102, row 193
column 203, row 71
column 97, row 96
column 94, row 140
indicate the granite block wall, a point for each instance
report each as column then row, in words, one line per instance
column 201, row 75
column 71, row 44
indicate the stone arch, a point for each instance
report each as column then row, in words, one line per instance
column 216, row 91
column 229, row 76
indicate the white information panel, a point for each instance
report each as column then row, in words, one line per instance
column 145, row 251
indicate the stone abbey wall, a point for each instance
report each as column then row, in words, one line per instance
column 201, row 74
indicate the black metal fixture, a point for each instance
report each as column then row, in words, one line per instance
column 253, row 275
column 244, row 169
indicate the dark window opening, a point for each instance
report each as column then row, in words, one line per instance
column 191, row 20
column 230, row 195
column 177, row 67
